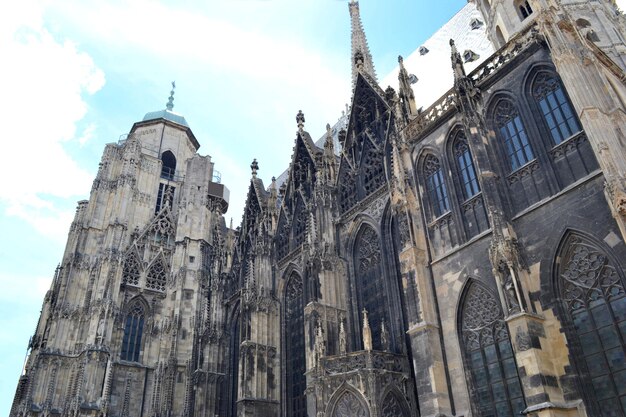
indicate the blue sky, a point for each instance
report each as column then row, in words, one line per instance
column 77, row 75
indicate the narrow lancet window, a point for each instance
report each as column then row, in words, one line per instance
column 511, row 131
column 435, row 186
column 133, row 331
column 555, row 107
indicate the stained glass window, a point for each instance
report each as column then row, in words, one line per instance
column 556, row 108
column 511, row 131
column 435, row 186
column 465, row 166
column 593, row 292
column 495, row 384
column 133, row 330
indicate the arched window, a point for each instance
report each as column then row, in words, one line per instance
column 133, row 330
column 465, row 166
column 435, row 186
column 555, row 107
column 369, row 282
column 488, row 354
column 169, row 165
column 524, row 9
column 594, row 301
column 295, row 383
column 157, row 276
column 511, row 132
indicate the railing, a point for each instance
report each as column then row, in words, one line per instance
column 445, row 104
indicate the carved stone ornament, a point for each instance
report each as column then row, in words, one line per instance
column 588, row 275
column 349, row 406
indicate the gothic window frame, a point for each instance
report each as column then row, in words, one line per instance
column 435, row 193
column 135, row 317
column 335, row 402
column 512, row 133
column 464, row 165
column 379, row 295
column 551, row 103
column 372, row 173
column 523, row 9
column 157, row 282
column 466, row 192
column 387, row 409
column 293, row 277
column 565, row 286
column 494, row 362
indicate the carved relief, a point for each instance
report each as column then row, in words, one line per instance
column 349, row 406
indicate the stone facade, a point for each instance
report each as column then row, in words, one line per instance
column 466, row 259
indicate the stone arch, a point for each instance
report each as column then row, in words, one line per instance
column 294, row 344
column 347, row 402
column 136, row 313
column 393, row 404
column 590, row 287
column 168, row 165
column 432, row 176
column 491, row 369
column 370, row 287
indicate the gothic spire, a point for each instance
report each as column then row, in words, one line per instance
column 170, row 100
column 361, row 56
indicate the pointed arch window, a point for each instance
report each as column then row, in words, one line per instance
column 524, row 9
column 157, row 276
column 512, row 133
column 133, row 331
column 594, row 300
column 435, row 186
column 369, row 282
column 465, row 167
column 295, row 383
column 495, row 384
column 555, row 107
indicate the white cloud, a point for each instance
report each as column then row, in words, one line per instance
column 87, row 134
column 44, row 82
column 196, row 39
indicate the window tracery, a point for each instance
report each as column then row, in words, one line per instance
column 132, row 269
column 557, row 111
column 133, row 332
column 347, row 189
column 373, row 168
column 282, row 239
column 157, row 276
column 512, row 133
column 391, row 406
column 369, row 282
column 349, row 405
column 496, row 388
column 595, row 301
column 435, row 185
column 295, row 347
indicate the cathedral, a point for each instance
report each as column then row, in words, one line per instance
column 465, row 257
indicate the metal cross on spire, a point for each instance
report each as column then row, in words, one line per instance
column 170, row 100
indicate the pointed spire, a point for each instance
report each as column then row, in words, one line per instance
column 406, row 92
column 170, row 100
column 361, row 56
column 367, row 332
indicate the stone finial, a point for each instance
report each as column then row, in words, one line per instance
column 170, row 100
column 254, row 166
column 359, row 45
column 367, row 332
column 300, row 120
